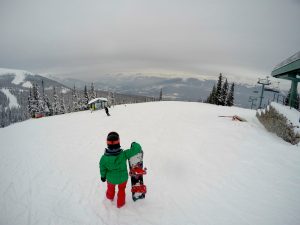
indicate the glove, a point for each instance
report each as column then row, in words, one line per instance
column 103, row 179
column 132, row 143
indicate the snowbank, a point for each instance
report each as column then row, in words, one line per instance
column 291, row 114
column 278, row 120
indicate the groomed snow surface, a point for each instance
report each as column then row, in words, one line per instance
column 202, row 169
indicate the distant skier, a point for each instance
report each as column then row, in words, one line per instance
column 113, row 167
column 106, row 110
column 93, row 107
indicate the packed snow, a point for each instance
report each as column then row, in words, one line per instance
column 202, row 168
column 13, row 102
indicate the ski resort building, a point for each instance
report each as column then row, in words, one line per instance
column 98, row 103
column 289, row 69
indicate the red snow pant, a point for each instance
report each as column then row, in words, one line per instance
column 110, row 193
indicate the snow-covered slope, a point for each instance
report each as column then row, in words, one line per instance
column 202, row 169
column 12, row 99
column 19, row 76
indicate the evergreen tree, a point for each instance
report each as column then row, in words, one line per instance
column 213, row 93
column 30, row 103
column 43, row 88
column 76, row 106
column 93, row 92
column 109, row 98
column 85, row 99
column 81, row 103
column 160, row 95
column 230, row 96
column 218, row 91
column 224, row 93
column 36, row 104
column 47, row 106
column 212, row 98
column 55, row 103
column 113, row 99
column 62, row 107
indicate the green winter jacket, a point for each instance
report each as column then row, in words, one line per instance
column 114, row 166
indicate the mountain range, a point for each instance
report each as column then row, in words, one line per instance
column 173, row 88
column 15, row 88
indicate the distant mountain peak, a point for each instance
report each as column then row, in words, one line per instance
column 20, row 75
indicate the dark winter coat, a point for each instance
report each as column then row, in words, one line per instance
column 113, row 164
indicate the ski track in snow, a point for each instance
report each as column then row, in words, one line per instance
column 13, row 102
column 202, row 169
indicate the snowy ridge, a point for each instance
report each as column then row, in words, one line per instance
column 202, row 168
column 19, row 75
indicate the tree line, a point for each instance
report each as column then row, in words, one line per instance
column 39, row 104
column 222, row 94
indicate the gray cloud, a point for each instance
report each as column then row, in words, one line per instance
column 94, row 37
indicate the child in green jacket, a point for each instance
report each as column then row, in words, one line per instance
column 113, row 167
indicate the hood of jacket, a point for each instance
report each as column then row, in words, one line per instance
column 112, row 152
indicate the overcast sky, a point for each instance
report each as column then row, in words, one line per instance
column 88, row 38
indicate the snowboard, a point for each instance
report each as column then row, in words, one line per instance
column 136, row 172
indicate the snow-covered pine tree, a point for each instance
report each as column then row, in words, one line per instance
column 37, row 104
column 224, row 93
column 56, row 103
column 47, row 105
column 211, row 98
column 85, row 99
column 30, row 104
column 93, row 93
column 214, row 98
column 230, row 96
column 76, row 106
column 62, row 107
column 218, row 90
column 41, row 103
column 111, row 98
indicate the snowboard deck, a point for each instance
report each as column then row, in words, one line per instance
column 136, row 172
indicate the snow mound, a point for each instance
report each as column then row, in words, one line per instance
column 291, row 114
